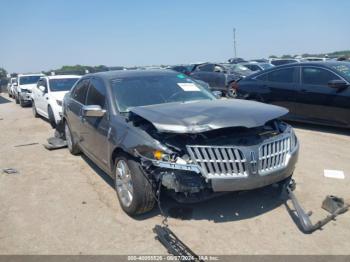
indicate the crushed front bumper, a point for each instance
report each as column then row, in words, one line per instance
column 26, row 97
column 234, row 168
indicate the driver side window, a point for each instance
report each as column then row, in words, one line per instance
column 80, row 91
column 42, row 82
column 97, row 93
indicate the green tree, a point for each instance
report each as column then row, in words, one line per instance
column 3, row 73
column 3, row 77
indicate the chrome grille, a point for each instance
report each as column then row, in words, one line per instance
column 219, row 161
column 272, row 155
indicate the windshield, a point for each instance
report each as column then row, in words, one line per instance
column 151, row 90
column 57, row 85
column 27, row 80
column 266, row 65
column 343, row 69
column 240, row 69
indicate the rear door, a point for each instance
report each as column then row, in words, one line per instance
column 74, row 109
column 96, row 128
column 208, row 74
column 318, row 101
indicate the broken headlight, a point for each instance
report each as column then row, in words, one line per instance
column 59, row 102
column 293, row 140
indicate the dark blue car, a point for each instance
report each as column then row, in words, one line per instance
column 313, row 92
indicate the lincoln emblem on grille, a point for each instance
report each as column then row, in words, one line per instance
column 253, row 162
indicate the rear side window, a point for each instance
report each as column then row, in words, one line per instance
column 206, row 68
column 317, row 76
column 253, row 67
column 80, row 90
column 282, row 76
column 97, row 93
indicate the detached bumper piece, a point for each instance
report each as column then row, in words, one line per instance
column 334, row 205
column 174, row 245
column 58, row 140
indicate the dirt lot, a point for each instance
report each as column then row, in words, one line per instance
column 61, row 204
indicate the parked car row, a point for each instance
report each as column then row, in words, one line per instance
column 43, row 93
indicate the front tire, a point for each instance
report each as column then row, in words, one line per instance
column 21, row 102
column 134, row 191
column 35, row 113
column 17, row 98
column 72, row 145
column 51, row 117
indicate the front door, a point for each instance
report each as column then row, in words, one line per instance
column 318, row 101
column 74, row 111
column 97, row 128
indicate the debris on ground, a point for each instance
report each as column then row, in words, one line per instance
column 334, row 205
column 29, row 144
column 58, row 141
column 334, row 174
column 9, row 171
column 173, row 244
column 55, row 143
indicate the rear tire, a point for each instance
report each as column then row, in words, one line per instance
column 72, row 145
column 134, row 191
column 51, row 117
column 35, row 113
column 17, row 98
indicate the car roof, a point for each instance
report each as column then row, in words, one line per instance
column 314, row 63
column 325, row 64
column 39, row 74
column 62, row 76
column 111, row 75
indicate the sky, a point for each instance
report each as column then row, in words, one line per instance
column 41, row 35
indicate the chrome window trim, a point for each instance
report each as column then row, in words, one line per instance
column 274, row 70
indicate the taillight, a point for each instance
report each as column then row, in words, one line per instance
column 235, row 86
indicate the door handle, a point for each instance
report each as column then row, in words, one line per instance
column 304, row 91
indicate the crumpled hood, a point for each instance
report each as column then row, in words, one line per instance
column 201, row 116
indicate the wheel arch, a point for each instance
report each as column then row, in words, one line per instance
column 117, row 151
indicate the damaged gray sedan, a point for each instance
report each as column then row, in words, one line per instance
column 160, row 129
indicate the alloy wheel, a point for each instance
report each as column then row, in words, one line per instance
column 123, row 183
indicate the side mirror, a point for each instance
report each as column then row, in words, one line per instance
column 217, row 94
column 93, row 111
column 338, row 84
column 42, row 89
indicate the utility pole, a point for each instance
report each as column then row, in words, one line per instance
column 234, row 42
